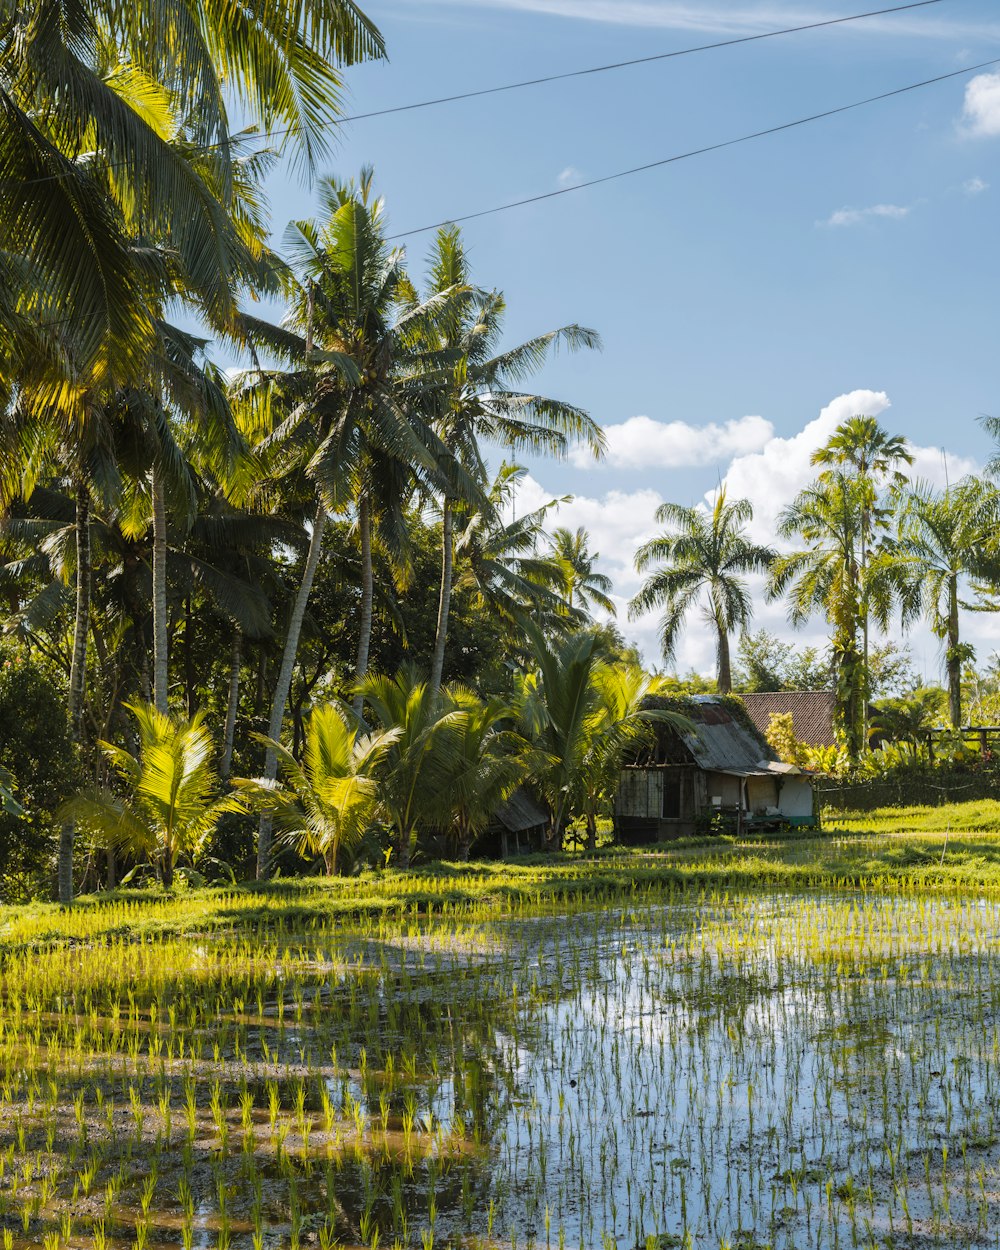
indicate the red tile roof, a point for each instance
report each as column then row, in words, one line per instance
column 812, row 713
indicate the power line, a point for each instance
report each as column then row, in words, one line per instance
column 639, row 60
column 246, row 137
column 683, row 156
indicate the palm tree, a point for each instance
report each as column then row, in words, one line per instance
column 95, row 90
column 862, row 449
column 498, row 558
column 704, row 556
column 75, row 407
column 580, row 717
column 328, row 801
column 489, row 762
column 584, row 587
column 825, row 575
column 624, row 718
column 945, row 540
column 421, row 763
column 353, row 409
column 168, row 808
column 482, row 401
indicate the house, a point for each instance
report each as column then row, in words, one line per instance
column 720, row 770
column 811, row 712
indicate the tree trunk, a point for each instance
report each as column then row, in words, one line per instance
column 444, row 600
column 865, row 673
column 367, row 596
column 190, row 672
column 232, row 705
column 78, row 673
column 725, row 681
column 591, row 832
column 284, row 682
column 168, row 869
column 954, row 658
column 161, row 674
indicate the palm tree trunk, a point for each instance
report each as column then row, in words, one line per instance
column 591, row 832
column 190, row 676
column 725, row 680
column 865, row 674
column 367, row 597
column 284, row 682
column 444, row 600
column 78, row 673
column 954, row 660
column 405, row 842
column 232, row 705
column 161, row 675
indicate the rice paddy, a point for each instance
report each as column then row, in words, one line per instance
column 636, row 1051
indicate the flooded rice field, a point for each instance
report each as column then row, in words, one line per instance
column 739, row 1072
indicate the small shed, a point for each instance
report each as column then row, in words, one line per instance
column 721, row 766
column 521, row 822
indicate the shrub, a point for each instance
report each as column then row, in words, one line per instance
column 36, row 750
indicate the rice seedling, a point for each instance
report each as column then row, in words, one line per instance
column 646, row 1053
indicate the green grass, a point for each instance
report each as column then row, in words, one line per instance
column 865, row 852
column 977, row 816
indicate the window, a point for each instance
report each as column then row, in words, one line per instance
column 671, row 797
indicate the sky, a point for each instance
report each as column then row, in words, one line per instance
column 748, row 299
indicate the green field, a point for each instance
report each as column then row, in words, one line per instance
column 784, row 1043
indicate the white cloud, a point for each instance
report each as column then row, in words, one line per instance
column 855, row 216
column 981, row 114
column 642, row 443
column 975, row 186
column 769, row 476
column 569, row 176
column 740, row 19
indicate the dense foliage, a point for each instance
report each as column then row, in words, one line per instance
column 295, row 615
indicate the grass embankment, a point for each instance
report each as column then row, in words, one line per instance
column 978, row 816
column 863, row 852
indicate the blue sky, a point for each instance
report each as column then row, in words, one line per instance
column 738, row 294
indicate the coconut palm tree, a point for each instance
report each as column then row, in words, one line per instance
column 946, row 541
column 489, row 762
column 624, row 719
column 168, row 808
column 353, row 412
column 825, row 575
column 580, row 717
column 584, row 587
column 95, row 91
column 418, row 770
column 498, row 556
column 864, row 450
column 327, row 803
column 482, row 401
column 703, row 557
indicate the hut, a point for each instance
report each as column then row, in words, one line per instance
column 718, row 773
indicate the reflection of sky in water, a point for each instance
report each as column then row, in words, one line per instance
column 771, row 1092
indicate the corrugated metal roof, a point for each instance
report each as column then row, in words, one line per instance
column 521, row 812
column 719, row 743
